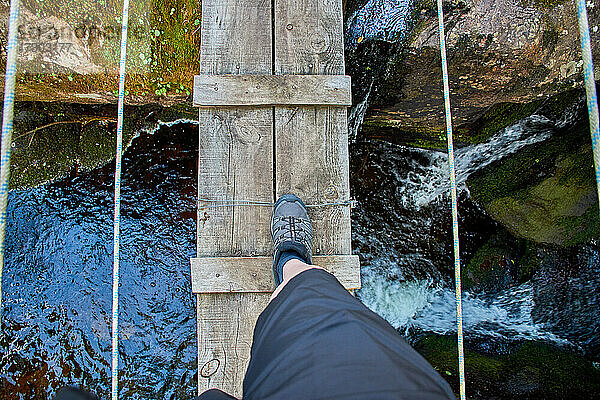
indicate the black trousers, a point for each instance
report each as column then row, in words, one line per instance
column 316, row 341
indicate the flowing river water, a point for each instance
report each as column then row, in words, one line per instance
column 57, row 280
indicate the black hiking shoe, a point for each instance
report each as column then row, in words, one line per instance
column 291, row 230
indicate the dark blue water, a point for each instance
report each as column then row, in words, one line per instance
column 58, row 274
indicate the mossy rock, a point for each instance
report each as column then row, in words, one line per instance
column 557, row 373
column 441, row 352
column 413, row 136
column 163, row 52
column 51, row 140
column 501, row 262
column 420, row 133
column 545, row 192
column 498, row 117
column 531, row 370
column 491, row 268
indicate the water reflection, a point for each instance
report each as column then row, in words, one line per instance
column 58, row 274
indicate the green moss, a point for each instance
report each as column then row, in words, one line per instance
column 163, row 51
column 583, row 227
column 500, row 262
column 545, row 4
column 41, row 155
column 561, row 374
column 175, row 27
column 415, row 136
column 52, row 139
column 529, row 261
column 420, row 133
column 555, row 105
column 441, row 352
column 544, row 192
column 498, row 117
column 487, row 266
column 530, row 369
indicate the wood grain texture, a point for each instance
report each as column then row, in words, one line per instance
column 255, row 274
column 309, row 37
column 236, row 37
column 312, row 162
column 235, row 160
column 225, row 330
column 248, row 90
column 312, row 142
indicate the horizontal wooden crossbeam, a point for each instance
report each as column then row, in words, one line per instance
column 255, row 274
column 254, row 90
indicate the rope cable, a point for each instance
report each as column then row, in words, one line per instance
column 7, row 123
column 216, row 203
column 117, row 211
column 590, row 84
column 459, row 322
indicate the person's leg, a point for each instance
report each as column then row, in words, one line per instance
column 291, row 268
column 315, row 340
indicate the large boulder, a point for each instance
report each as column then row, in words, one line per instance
column 499, row 51
column 70, row 50
column 545, row 192
column 531, row 370
column 54, row 139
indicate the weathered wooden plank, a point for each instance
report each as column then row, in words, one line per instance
column 309, row 37
column 251, row 90
column 312, row 162
column 254, row 274
column 225, row 329
column 235, row 161
column 236, row 37
column 312, row 142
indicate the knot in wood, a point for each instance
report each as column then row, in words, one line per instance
column 318, row 43
column 210, row 368
column 331, row 192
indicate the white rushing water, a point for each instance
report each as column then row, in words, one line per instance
column 428, row 304
column 425, row 187
column 430, row 307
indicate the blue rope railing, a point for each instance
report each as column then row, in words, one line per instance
column 7, row 124
column 117, row 211
column 459, row 321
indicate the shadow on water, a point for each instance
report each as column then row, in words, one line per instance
column 58, row 276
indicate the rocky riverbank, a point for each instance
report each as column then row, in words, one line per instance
column 528, row 369
column 499, row 52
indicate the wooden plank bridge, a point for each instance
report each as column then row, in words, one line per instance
column 272, row 98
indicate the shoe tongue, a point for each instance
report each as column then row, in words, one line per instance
column 290, row 209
